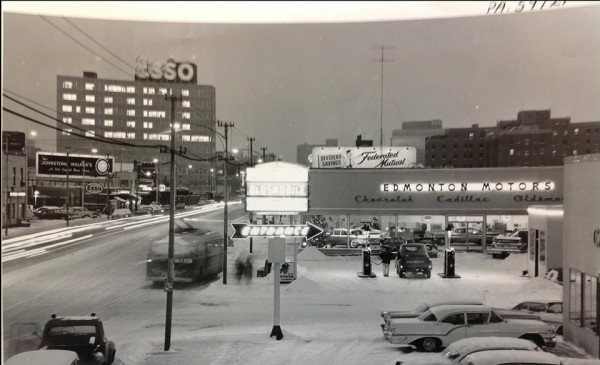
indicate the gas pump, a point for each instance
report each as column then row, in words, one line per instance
column 449, row 257
column 366, row 263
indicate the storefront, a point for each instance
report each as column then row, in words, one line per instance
column 411, row 198
column 581, row 252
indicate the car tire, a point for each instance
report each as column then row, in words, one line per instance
column 429, row 344
column 428, row 274
column 353, row 244
column 401, row 273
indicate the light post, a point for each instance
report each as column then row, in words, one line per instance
column 156, row 178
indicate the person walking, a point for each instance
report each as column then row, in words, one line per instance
column 386, row 257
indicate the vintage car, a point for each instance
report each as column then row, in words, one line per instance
column 387, row 315
column 440, row 326
column 549, row 311
column 44, row 357
column 502, row 247
column 358, row 237
column 413, row 258
column 503, row 357
column 83, row 334
column 53, row 213
column 393, row 243
column 464, row 235
column 198, row 254
column 82, row 212
column 121, row 213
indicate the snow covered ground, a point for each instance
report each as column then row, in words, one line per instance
column 328, row 315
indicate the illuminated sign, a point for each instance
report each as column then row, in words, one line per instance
column 17, row 193
column 94, row 188
column 467, row 186
column 277, row 187
column 171, row 71
column 243, row 230
column 363, row 157
column 49, row 164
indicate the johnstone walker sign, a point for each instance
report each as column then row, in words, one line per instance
column 363, row 157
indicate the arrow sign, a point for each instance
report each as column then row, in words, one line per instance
column 308, row 230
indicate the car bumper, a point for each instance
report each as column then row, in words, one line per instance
column 550, row 341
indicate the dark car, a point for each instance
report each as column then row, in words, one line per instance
column 413, row 257
column 53, row 213
column 83, row 335
column 393, row 243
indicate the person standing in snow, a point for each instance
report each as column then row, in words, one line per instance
column 386, row 257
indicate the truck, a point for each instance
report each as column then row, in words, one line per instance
column 413, row 257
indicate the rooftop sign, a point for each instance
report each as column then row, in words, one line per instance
column 363, row 157
column 51, row 164
column 277, row 188
column 170, row 71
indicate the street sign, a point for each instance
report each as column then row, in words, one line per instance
column 94, row 188
column 308, row 230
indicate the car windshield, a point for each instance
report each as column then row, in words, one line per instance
column 71, row 330
column 413, row 249
column 427, row 316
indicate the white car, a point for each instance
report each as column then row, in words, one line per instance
column 358, row 237
column 440, row 326
column 460, row 349
column 44, row 357
column 510, row 357
column 387, row 315
column 549, row 311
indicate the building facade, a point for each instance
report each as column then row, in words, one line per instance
column 533, row 139
column 413, row 134
column 135, row 112
column 14, row 179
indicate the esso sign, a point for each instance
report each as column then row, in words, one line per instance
column 170, row 71
column 94, row 188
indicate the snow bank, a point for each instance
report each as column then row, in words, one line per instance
column 311, row 254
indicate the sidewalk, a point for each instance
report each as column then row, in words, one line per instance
column 41, row 225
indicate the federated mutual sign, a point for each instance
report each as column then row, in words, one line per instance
column 308, row 230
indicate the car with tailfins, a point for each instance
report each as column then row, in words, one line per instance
column 511, row 357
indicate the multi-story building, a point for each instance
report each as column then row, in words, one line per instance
column 413, row 134
column 533, row 139
column 304, row 150
column 14, row 179
column 135, row 112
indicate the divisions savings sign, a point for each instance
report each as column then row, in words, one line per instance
column 364, row 157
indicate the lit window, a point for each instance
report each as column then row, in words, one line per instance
column 108, row 111
column 155, row 113
column 108, row 123
column 130, row 124
column 471, row 136
column 67, row 85
column 130, row 101
column 67, row 108
column 151, row 91
column 121, row 135
column 67, row 120
column 78, row 109
column 131, row 89
column 185, row 138
column 69, row 97
column 115, row 88
column 162, row 91
column 67, row 132
column 553, row 152
column 131, row 112
column 185, row 115
column 185, row 126
column 164, row 137
column 130, row 135
column 554, row 133
column 108, row 134
column 88, row 121
column 90, row 109
column 185, row 92
column 90, row 133
column 148, row 125
column 512, row 151
column 90, row 98
column 145, row 135
column 185, row 103
column 148, row 102
column 576, row 131
column 108, row 99
column 574, row 152
column 89, row 86
column 200, row 139
column 145, row 90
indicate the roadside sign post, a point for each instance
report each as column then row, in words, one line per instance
column 277, row 256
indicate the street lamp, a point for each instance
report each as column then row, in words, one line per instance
column 156, row 179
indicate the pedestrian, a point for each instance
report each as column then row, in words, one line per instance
column 240, row 268
column 248, row 269
column 386, row 257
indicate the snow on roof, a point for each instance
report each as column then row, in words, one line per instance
column 311, row 253
column 471, row 344
column 443, row 310
column 493, row 357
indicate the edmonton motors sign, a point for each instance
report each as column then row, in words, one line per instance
column 49, row 164
column 170, row 71
column 364, row 157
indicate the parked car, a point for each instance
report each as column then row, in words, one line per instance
column 121, row 213
column 44, row 357
column 43, row 208
column 457, row 351
column 54, row 213
column 503, row 246
column 413, row 257
column 463, row 234
column 425, row 306
column 393, row 243
column 152, row 208
column 549, row 311
column 82, row 212
column 82, row 334
column 503, row 357
column 358, row 237
column 180, row 205
column 440, row 326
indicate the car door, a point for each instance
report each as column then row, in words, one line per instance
column 452, row 327
column 478, row 325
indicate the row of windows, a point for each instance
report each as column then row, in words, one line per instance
column 126, row 89
column 109, row 100
column 466, row 155
column 468, row 145
column 151, row 136
column 129, row 112
column 583, row 304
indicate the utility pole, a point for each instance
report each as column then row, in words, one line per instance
column 68, row 194
column 251, row 139
column 172, row 190
column 382, row 60
column 225, row 195
column 264, row 149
